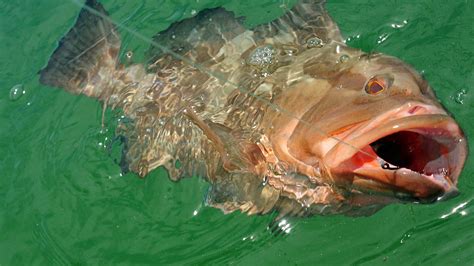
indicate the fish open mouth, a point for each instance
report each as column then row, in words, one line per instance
column 415, row 157
column 418, row 152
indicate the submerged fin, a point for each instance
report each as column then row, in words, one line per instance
column 86, row 56
column 241, row 191
column 315, row 20
column 305, row 23
column 200, row 38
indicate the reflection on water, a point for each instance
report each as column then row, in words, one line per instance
column 460, row 96
column 285, row 226
column 61, row 206
column 458, row 209
column 16, row 92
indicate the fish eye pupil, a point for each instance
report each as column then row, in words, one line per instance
column 374, row 87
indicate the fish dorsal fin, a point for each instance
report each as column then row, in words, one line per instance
column 306, row 20
column 201, row 38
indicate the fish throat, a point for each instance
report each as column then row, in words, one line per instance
column 411, row 150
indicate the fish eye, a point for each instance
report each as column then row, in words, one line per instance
column 377, row 84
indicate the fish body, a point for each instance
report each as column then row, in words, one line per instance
column 282, row 117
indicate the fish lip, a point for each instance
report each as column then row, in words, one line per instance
column 391, row 195
column 424, row 119
column 421, row 188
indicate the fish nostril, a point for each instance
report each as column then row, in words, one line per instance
column 415, row 109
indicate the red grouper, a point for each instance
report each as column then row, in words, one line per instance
column 282, row 117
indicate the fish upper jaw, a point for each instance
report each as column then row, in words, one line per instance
column 413, row 152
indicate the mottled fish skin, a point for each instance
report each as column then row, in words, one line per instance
column 234, row 115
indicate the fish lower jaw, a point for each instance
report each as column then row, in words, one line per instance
column 404, row 184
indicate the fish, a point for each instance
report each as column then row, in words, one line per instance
column 282, row 117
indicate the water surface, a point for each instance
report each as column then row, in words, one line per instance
column 64, row 201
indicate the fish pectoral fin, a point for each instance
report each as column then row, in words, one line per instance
column 239, row 184
column 86, row 57
column 236, row 150
column 241, row 191
column 216, row 133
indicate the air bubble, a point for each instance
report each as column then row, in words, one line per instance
column 288, row 52
column 16, row 92
column 459, row 96
column 344, row 58
column 262, row 56
column 382, row 38
column 129, row 55
column 399, row 25
column 314, row 42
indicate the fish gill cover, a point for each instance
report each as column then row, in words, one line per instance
column 66, row 197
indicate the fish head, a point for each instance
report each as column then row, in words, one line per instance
column 377, row 130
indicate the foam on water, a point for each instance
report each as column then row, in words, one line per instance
column 61, row 206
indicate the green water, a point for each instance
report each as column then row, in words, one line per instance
column 63, row 200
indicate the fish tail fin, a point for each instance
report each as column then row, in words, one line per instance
column 87, row 56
